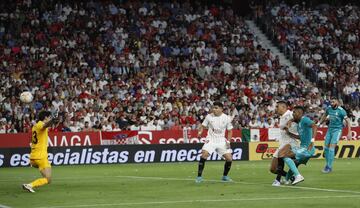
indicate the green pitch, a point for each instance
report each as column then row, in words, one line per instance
column 172, row 185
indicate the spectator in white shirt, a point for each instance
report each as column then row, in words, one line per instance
column 253, row 123
column 135, row 126
column 107, row 126
column 356, row 112
column 353, row 122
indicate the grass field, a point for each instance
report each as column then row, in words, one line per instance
column 172, row 185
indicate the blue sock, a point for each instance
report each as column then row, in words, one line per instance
column 331, row 157
column 326, row 153
column 290, row 163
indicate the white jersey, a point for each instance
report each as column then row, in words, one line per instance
column 284, row 119
column 217, row 126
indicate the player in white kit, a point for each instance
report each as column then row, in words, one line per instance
column 285, row 142
column 217, row 123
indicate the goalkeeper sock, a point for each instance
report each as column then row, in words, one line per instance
column 227, row 167
column 290, row 163
column 39, row 182
column 201, row 166
column 331, row 157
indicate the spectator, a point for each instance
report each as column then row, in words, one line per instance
column 119, row 67
column 135, row 126
column 116, row 127
column 176, row 126
column 253, row 123
column 87, row 127
column 353, row 122
column 356, row 112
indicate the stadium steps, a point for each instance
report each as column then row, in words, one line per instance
column 267, row 44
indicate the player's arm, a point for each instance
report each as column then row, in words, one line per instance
column 200, row 130
column 322, row 118
column 314, row 132
column 292, row 135
column 286, row 128
column 347, row 121
column 288, row 124
column 229, row 128
column 229, row 134
column 50, row 123
column 202, row 126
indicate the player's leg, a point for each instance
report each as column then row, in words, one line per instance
column 302, row 156
column 331, row 157
column 205, row 153
column 280, row 169
column 274, row 161
column 45, row 170
column 336, row 134
column 46, row 179
column 274, row 165
column 291, row 164
column 286, row 151
column 227, row 166
column 326, row 149
column 289, row 177
column 27, row 186
column 277, row 166
column 225, row 151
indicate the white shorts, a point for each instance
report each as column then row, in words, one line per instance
column 282, row 145
column 219, row 147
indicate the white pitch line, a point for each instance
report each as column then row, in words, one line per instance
column 204, row 201
column 322, row 189
column 216, row 181
column 3, row 206
column 240, row 182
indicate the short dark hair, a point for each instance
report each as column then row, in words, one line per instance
column 218, row 103
column 333, row 98
column 299, row 107
column 282, row 102
column 43, row 114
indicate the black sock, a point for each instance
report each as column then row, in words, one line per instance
column 279, row 174
column 280, row 162
column 282, row 172
column 280, row 169
column 227, row 167
column 201, row 166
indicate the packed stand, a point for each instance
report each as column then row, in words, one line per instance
column 324, row 41
column 138, row 65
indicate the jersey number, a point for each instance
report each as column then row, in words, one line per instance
column 34, row 139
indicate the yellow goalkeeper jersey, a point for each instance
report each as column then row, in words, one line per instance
column 39, row 141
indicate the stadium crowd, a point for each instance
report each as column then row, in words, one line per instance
column 102, row 65
column 325, row 41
